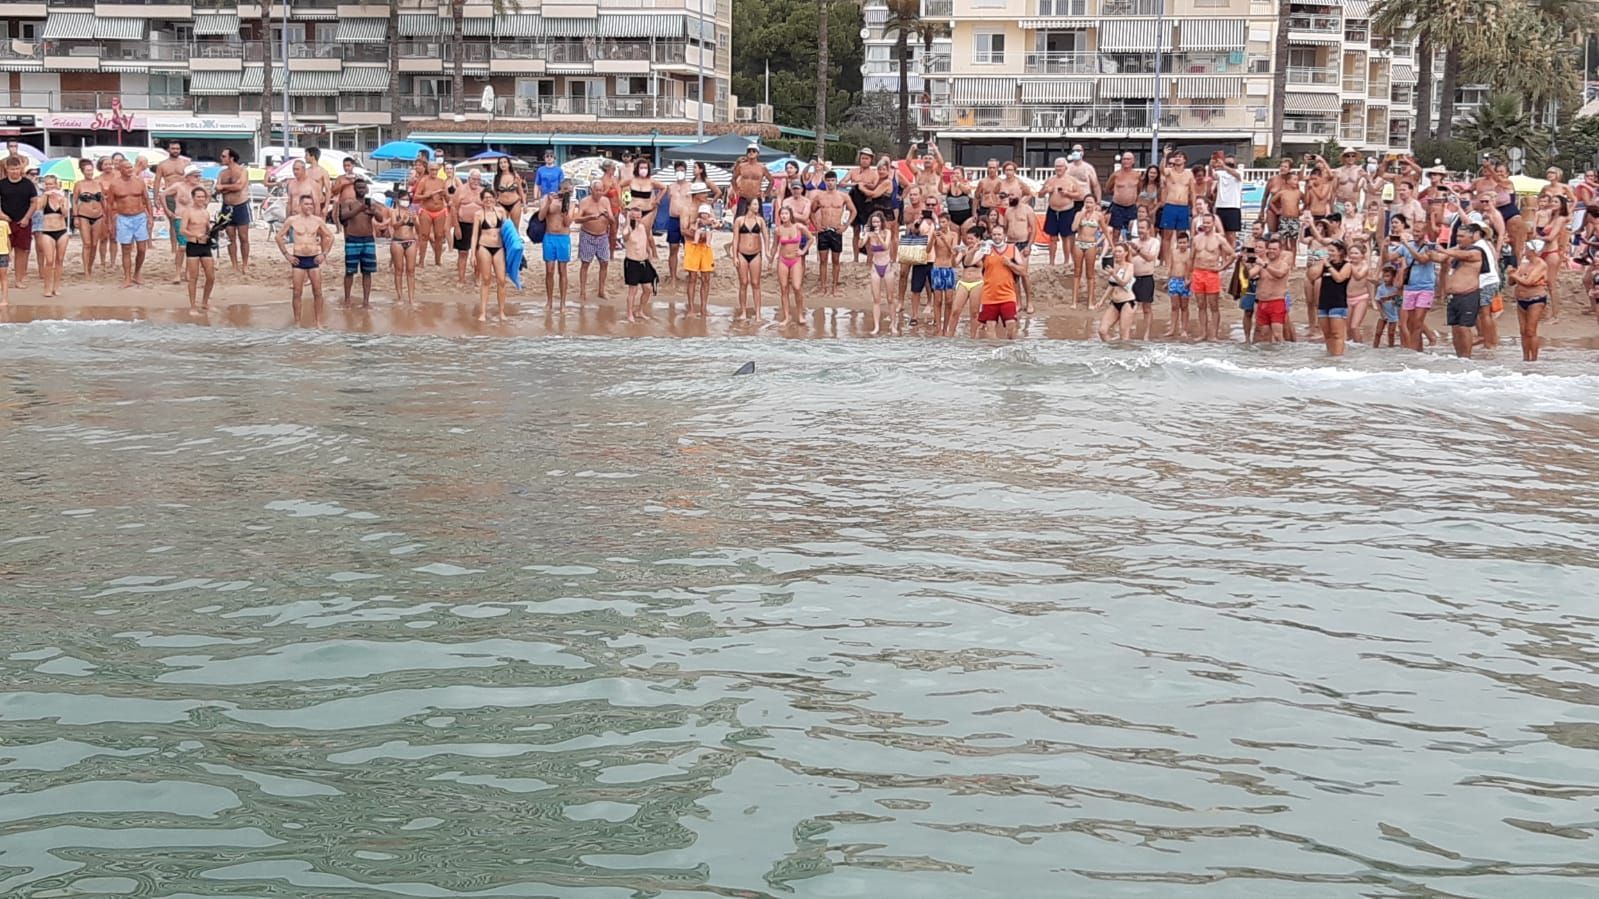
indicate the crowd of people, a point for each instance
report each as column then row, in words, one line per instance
column 1382, row 242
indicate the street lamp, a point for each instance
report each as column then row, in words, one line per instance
column 1160, row 44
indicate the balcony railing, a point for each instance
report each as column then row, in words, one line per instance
column 431, row 107
column 1354, row 84
column 366, row 53
column 364, row 103
column 315, row 106
column 1310, row 75
column 936, row 64
column 614, row 107
column 220, row 50
column 1351, row 132
column 1377, row 89
column 1131, row 7
column 1377, row 134
column 1316, row 24
column 96, row 101
column 934, row 9
column 1062, row 62
column 145, row 51
column 16, row 50
column 1310, row 127
column 227, row 105
column 472, row 52
column 1084, row 118
column 1402, row 96
column 300, row 50
column 1356, row 35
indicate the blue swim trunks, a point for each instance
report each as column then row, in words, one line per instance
column 132, row 229
column 674, row 230
column 1173, row 217
column 360, row 253
column 1178, row 287
column 943, row 278
column 557, row 248
column 1246, row 303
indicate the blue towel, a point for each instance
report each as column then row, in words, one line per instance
column 512, row 239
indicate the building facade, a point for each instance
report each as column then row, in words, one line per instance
column 1024, row 79
column 578, row 74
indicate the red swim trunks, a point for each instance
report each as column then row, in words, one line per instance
column 997, row 312
column 1205, row 281
column 1271, row 312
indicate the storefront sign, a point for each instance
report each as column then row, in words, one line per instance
column 115, row 120
column 199, row 126
column 17, row 121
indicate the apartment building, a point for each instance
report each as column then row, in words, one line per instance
column 1024, row 79
column 575, row 74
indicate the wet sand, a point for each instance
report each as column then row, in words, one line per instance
column 261, row 299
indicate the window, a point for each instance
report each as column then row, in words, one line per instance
column 1063, row 7
column 988, row 47
column 29, row 31
column 631, row 87
column 1213, row 4
column 168, row 85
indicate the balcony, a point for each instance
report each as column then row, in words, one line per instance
column 1378, row 89
column 1107, row 119
column 444, row 51
column 300, row 50
column 1351, row 132
column 19, row 50
column 313, row 106
column 1356, row 34
column 1310, row 127
column 97, row 101
column 220, row 50
column 1131, row 7
column 1403, row 95
column 364, row 103
column 936, row 64
column 1312, row 76
column 145, row 51
column 429, row 107
column 616, row 107
column 1063, row 62
column 1354, row 84
column 228, row 105
column 1377, row 134
column 366, row 53
column 938, row 9
column 1320, row 26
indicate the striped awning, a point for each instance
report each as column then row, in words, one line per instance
column 215, row 84
column 1310, row 103
column 1315, row 37
column 362, row 31
column 518, row 25
column 21, row 65
column 1139, row 87
column 1357, row 9
column 1134, row 35
column 366, row 79
column 986, row 91
column 570, row 27
column 1404, row 73
column 1214, row 34
column 636, row 25
column 314, row 84
column 1058, row 90
column 306, row 11
column 124, row 65
column 118, row 29
column 420, row 25
column 1060, row 22
column 216, row 24
column 474, row 27
column 68, row 26
column 1209, row 87
column 252, row 81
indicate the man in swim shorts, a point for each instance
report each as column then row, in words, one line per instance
column 169, row 173
column 1270, row 274
column 359, row 216
column 556, row 213
column 131, row 203
column 596, row 231
column 310, row 237
column 1212, row 253
column 637, row 272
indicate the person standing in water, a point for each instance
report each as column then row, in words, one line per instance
column 1333, row 304
column 359, row 217
column 596, row 231
column 194, row 221
column 310, row 237
column 1270, row 275
column 401, row 228
column 637, row 272
column 556, row 213
column 488, row 247
column 698, row 260
column 233, row 184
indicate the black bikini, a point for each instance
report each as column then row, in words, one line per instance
column 746, row 229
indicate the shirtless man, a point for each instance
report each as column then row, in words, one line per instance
column 1144, row 251
column 1286, row 204
column 194, row 222
column 930, row 170
column 556, row 213
column 466, row 209
column 233, row 184
column 313, row 162
column 310, row 237
column 1286, row 177
column 343, row 187
column 860, row 180
column 1406, row 204
column 1319, row 184
column 303, row 184
column 1349, row 185
column 1012, row 185
column 1021, row 226
column 1434, row 195
column 1122, row 185
column 1084, row 171
column 679, row 200
column 360, row 217
column 831, row 210
column 596, row 231
column 1462, row 284
column 1270, row 275
column 177, row 196
column 1065, row 193
column 750, row 179
column 1213, row 254
column 637, row 272
column 169, row 172
column 1176, row 197
column 433, row 218
column 126, row 193
column 988, row 195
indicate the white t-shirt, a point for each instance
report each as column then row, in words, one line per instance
column 1229, row 190
column 1490, row 268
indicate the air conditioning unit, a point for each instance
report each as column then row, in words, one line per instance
column 763, row 113
column 743, row 114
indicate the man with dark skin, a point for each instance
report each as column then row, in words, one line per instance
column 233, row 184
column 359, row 217
column 167, row 173
column 131, row 203
column 750, row 179
column 344, row 185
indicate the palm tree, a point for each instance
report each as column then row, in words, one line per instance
column 266, row 76
column 458, row 47
column 1279, row 76
column 823, row 9
column 396, row 124
column 905, row 19
column 1500, row 125
column 1456, row 26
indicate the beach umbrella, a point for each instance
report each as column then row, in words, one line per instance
column 403, row 149
column 776, row 166
column 64, row 169
column 489, row 154
column 1526, row 184
column 32, row 154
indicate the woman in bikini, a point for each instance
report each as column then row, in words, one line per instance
column 788, row 248
column 106, row 245
column 487, row 248
column 433, row 215
column 704, row 177
column 402, row 247
column 468, row 207
column 1316, row 241
column 969, row 280
column 1149, row 192
column 1119, row 294
column 645, row 194
column 749, row 244
column 880, row 243
column 1549, row 225
column 1087, row 245
column 1360, row 287
column 53, row 236
column 510, row 191
column 1531, row 280
column 88, row 211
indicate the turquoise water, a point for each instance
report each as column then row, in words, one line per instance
column 324, row 615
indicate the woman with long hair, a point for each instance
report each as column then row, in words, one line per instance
column 510, row 191
column 645, row 194
column 1149, row 192
column 750, row 239
column 52, row 238
column 1549, row 226
column 89, row 213
column 1118, row 294
column 880, row 243
column 402, row 247
column 1087, row 245
column 489, row 250
column 788, row 249
column 969, row 280
column 703, row 176
column 1333, row 307
column 1364, row 274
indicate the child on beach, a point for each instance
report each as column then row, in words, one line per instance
column 1182, row 264
column 1389, row 298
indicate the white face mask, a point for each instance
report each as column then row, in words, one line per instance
column 1371, row 166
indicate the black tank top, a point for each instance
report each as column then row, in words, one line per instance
column 1334, row 294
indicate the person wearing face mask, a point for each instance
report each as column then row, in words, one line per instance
column 678, row 199
column 645, row 194
column 1081, row 169
column 831, row 210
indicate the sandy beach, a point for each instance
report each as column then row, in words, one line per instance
column 260, row 299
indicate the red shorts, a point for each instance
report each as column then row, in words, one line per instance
column 22, row 236
column 1206, row 282
column 1271, row 312
column 997, row 312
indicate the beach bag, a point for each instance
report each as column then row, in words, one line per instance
column 535, row 229
column 913, row 251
